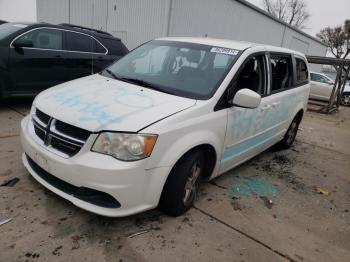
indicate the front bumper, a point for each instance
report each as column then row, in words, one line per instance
column 129, row 183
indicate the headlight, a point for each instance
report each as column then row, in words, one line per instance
column 123, row 146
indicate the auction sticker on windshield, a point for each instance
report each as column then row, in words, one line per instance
column 226, row 51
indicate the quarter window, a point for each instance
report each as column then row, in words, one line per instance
column 302, row 72
column 282, row 73
column 45, row 38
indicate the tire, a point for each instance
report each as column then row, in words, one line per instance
column 290, row 135
column 345, row 99
column 181, row 187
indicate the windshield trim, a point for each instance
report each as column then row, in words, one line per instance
column 183, row 93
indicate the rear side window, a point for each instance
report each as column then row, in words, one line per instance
column 45, row 38
column 282, row 72
column 99, row 48
column 302, row 71
column 115, row 47
column 79, row 42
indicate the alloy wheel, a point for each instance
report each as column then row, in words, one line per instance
column 192, row 183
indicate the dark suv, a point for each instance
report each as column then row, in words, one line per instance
column 34, row 57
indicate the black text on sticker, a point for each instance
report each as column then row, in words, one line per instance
column 226, row 51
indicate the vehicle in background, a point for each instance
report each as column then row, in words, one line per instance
column 34, row 57
column 145, row 131
column 345, row 97
column 2, row 22
column 322, row 86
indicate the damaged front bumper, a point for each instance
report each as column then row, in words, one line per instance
column 98, row 183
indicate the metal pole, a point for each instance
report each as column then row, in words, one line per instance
column 343, row 84
column 336, row 83
column 171, row 8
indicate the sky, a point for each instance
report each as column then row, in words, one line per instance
column 322, row 13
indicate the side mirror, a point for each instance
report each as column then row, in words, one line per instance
column 20, row 43
column 246, row 98
column 330, row 82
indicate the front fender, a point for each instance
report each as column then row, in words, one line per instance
column 180, row 137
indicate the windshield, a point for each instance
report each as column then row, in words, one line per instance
column 9, row 28
column 184, row 69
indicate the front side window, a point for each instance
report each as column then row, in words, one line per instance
column 302, row 71
column 45, row 38
column 282, row 72
column 319, row 78
column 184, row 69
column 252, row 76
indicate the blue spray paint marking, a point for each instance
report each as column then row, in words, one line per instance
column 247, row 122
column 242, row 148
column 95, row 110
column 251, row 186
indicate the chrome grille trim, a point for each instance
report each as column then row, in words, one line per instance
column 54, row 140
column 55, row 131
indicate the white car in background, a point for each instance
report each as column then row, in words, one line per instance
column 322, row 86
column 144, row 132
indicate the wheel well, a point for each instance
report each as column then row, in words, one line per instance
column 210, row 158
column 300, row 114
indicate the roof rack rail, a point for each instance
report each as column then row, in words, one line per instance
column 85, row 28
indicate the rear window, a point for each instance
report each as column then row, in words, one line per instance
column 302, row 71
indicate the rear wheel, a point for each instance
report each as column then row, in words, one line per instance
column 182, row 185
column 291, row 133
column 345, row 99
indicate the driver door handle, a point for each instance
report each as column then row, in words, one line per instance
column 265, row 107
column 275, row 104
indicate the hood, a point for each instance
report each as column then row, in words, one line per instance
column 98, row 103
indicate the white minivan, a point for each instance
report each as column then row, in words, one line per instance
column 145, row 131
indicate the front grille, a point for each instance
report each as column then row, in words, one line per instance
column 65, row 146
column 39, row 132
column 89, row 195
column 58, row 136
column 72, row 131
column 42, row 116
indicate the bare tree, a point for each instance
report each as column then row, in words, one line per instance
column 293, row 12
column 337, row 39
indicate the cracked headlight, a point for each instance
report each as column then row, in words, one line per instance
column 124, row 146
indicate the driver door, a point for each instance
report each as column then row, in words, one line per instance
column 247, row 131
column 41, row 66
column 320, row 87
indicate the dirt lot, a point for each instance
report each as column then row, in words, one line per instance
column 288, row 205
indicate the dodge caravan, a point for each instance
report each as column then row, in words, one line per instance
column 173, row 112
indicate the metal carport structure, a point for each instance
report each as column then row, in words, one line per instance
column 342, row 67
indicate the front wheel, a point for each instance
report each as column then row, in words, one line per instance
column 290, row 135
column 345, row 99
column 181, row 187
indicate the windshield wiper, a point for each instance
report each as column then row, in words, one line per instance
column 138, row 82
column 111, row 73
column 144, row 84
